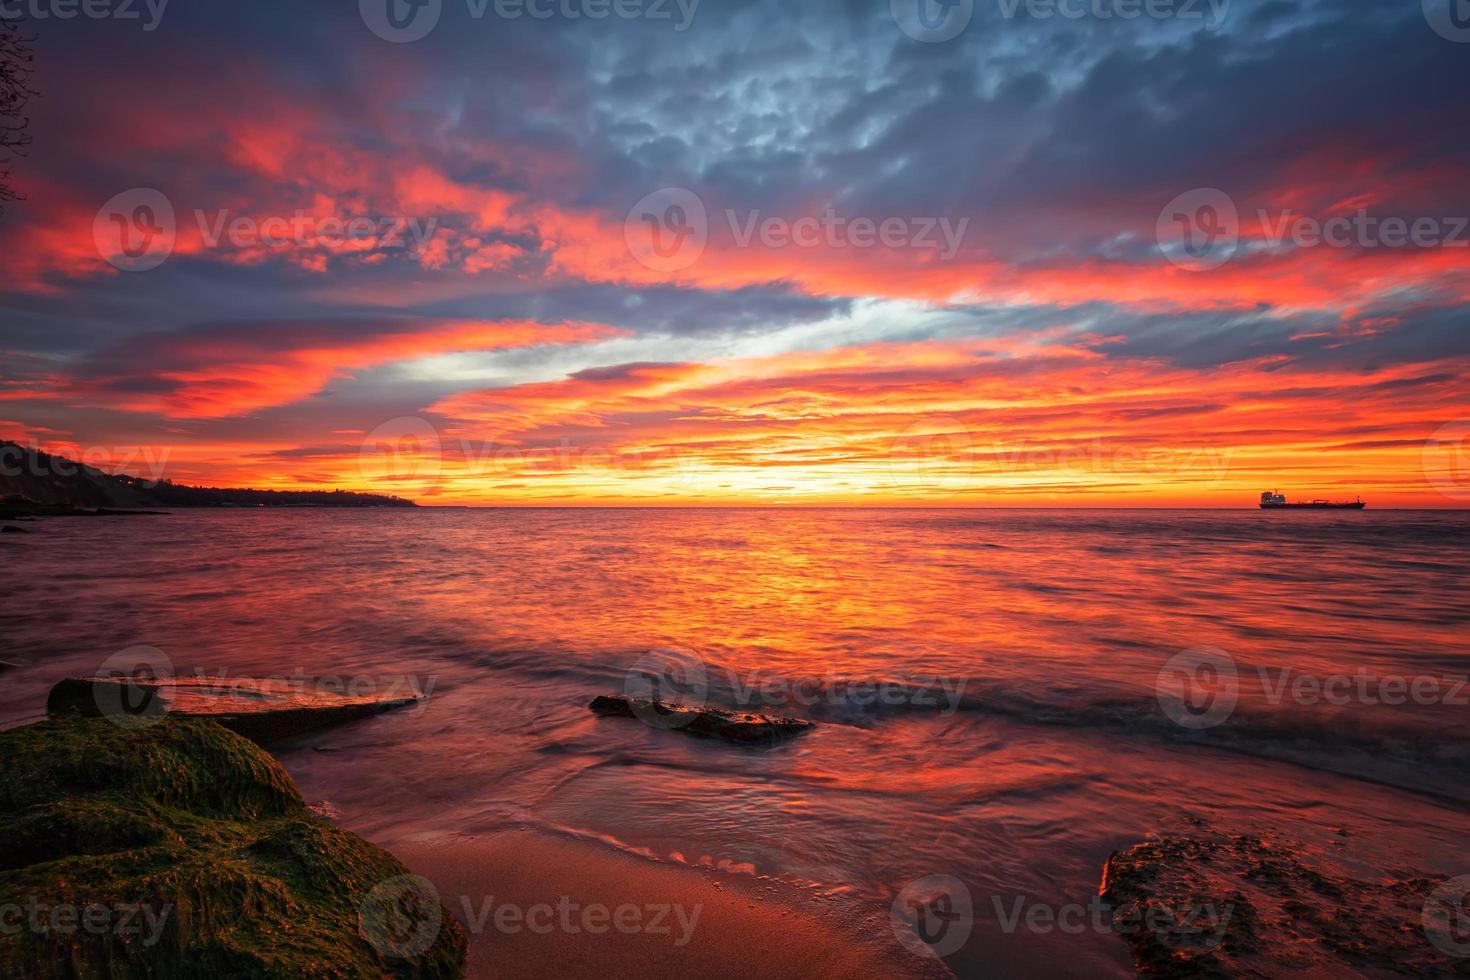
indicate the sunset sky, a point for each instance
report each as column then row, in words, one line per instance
column 753, row 252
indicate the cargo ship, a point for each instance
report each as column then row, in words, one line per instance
column 1271, row 500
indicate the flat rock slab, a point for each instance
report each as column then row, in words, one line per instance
column 1217, row 905
column 263, row 710
column 732, row 726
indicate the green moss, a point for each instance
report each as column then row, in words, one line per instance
column 183, row 850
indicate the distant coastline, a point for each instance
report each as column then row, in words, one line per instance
column 44, row 484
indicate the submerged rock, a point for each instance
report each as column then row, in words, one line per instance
column 262, row 710
column 1212, row 905
column 182, row 850
column 15, row 507
column 732, row 726
column 12, row 529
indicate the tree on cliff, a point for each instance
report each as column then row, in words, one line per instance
column 17, row 66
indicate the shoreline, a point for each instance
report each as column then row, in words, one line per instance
column 531, row 904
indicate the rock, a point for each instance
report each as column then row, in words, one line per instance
column 9, row 665
column 1212, row 905
column 264, row 711
column 182, row 850
column 732, row 726
column 12, row 529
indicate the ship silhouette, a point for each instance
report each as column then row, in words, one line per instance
column 1271, row 500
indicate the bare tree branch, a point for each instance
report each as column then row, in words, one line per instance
column 17, row 69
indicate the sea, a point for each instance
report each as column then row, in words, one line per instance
column 1003, row 698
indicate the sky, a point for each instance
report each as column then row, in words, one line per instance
column 988, row 253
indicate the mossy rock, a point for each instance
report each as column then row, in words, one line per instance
column 1212, row 905
column 180, row 849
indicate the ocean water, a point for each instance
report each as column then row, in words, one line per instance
column 1004, row 697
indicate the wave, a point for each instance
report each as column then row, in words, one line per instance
column 1427, row 752
column 1376, row 744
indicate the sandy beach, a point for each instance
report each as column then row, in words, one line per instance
column 540, row 905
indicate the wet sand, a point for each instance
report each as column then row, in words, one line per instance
column 525, row 887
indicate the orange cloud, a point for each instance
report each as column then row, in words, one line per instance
column 942, row 422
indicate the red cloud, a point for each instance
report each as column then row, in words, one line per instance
column 214, row 372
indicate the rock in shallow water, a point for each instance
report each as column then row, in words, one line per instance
column 1214, row 905
column 180, row 849
column 732, row 726
column 263, row 710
